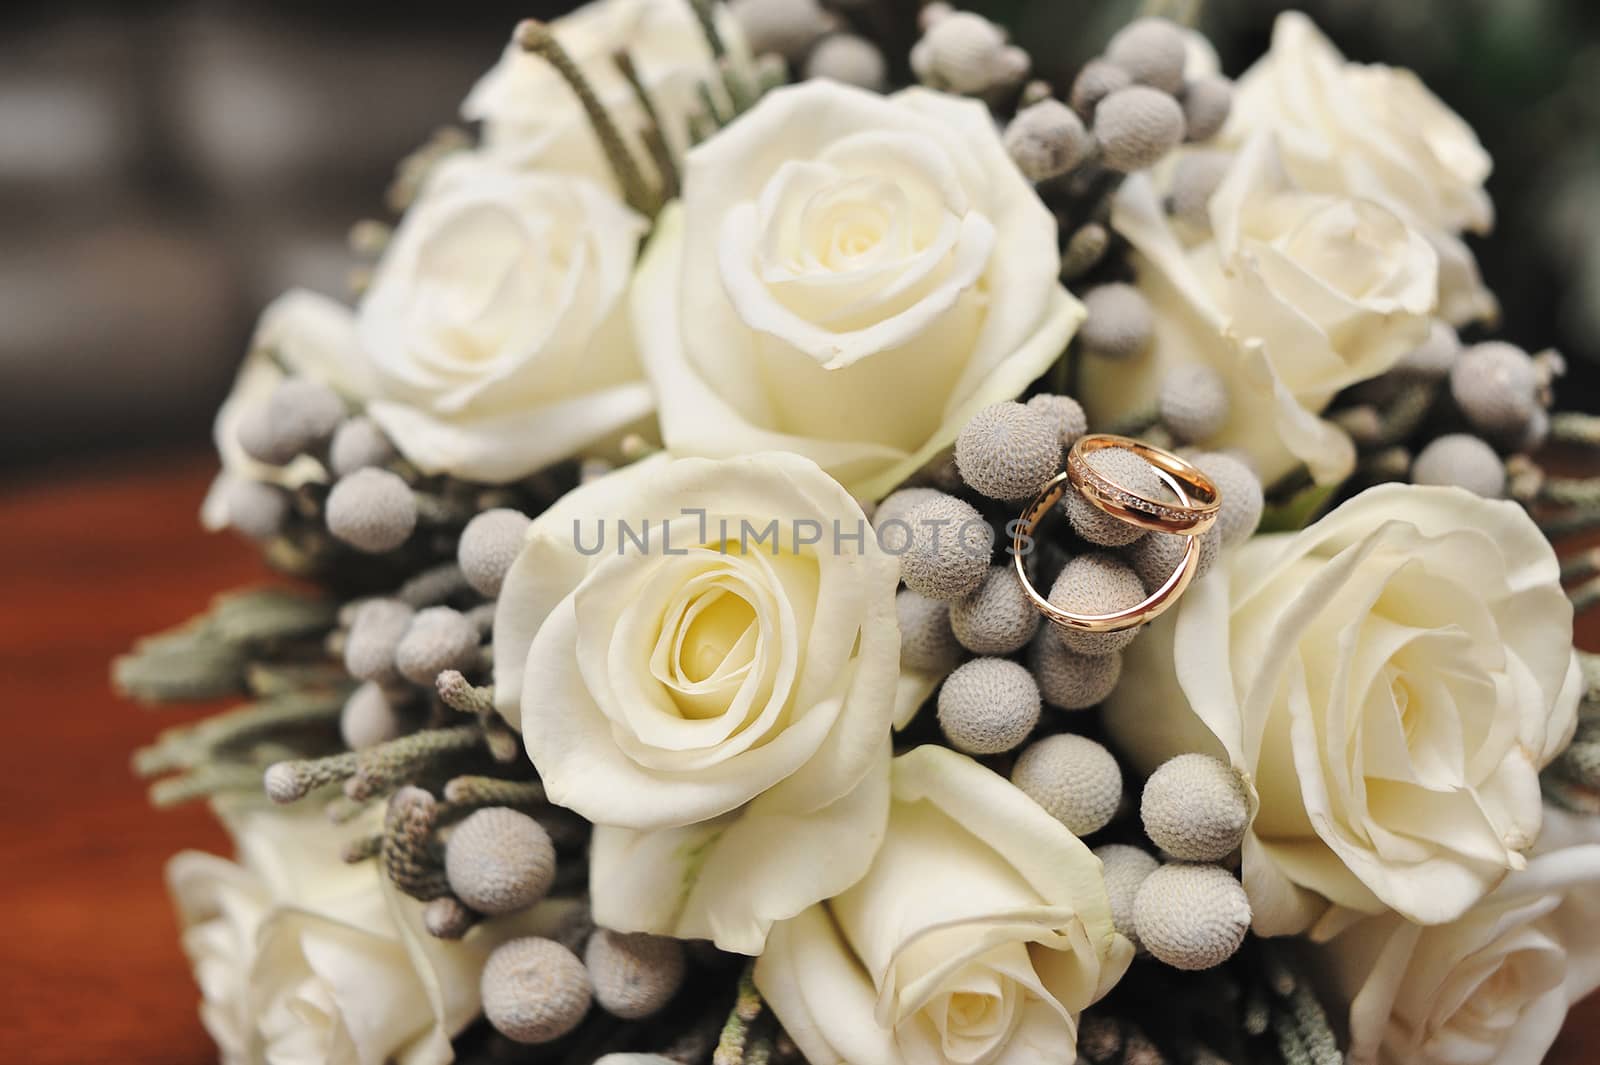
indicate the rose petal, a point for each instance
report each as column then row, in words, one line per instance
column 740, row 874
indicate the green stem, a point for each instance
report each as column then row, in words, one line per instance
column 179, row 667
column 461, row 695
column 655, row 137
column 432, row 586
column 410, row 854
column 705, row 11
column 736, row 1032
column 266, row 614
column 204, row 782
column 1183, row 12
column 535, row 37
column 1085, row 248
column 1312, row 1025
column 720, row 115
column 273, row 679
column 494, row 791
column 1573, row 427
column 1405, row 413
column 184, row 748
column 389, row 765
column 1571, row 491
column 293, row 780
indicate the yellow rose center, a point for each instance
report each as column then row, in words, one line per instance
column 715, row 624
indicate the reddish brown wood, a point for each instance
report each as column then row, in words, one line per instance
column 93, row 970
column 91, row 967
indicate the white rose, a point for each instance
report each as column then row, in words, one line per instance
column 980, row 933
column 531, row 117
column 492, row 341
column 495, row 323
column 1492, row 986
column 1294, row 296
column 1372, row 132
column 707, row 675
column 850, row 277
column 1390, row 681
column 303, row 959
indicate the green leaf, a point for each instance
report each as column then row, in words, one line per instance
column 1298, row 511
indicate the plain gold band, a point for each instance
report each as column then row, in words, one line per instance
column 1152, row 607
column 1195, row 512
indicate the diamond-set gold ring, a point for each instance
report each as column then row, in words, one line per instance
column 1189, row 517
column 1194, row 514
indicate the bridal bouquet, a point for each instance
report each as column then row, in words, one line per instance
column 813, row 545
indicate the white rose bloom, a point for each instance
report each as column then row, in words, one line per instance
column 1492, row 986
column 979, row 935
column 303, row 959
column 707, row 675
column 496, row 325
column 532, row 118
column 1389, row 681
column 850, row 277
column 1295, row 296
column 1376, row 133
column 493, row 339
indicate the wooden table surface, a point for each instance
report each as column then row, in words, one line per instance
column 90, row 968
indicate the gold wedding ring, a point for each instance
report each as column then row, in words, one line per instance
column 1186, row 518
column 1195, row 512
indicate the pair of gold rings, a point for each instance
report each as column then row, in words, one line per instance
column 1195, row 511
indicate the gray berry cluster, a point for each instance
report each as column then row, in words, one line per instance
column 1010, row 450
column 1496, row 386
column 536, row 990
column 963, row 52
column 948, row 551
column 298, row 418
column 1193, row 403
column 988, row 706
column 810, row 39
column 1120, row 323
column 1195, row 808
column 1191, row 912
column 962, row 598
column 1191, row 916
column 1075, row 779
column 1188, row 915
column 489, row 544
column 1195, row 178
column 372, row 510
column 388, row 642
column 1157, row 103
column 1462, row 460
column 499, row 861
column 1449, row 415
column 303, row 420
column 1126, row 110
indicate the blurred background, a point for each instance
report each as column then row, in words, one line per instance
column 168, row 167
